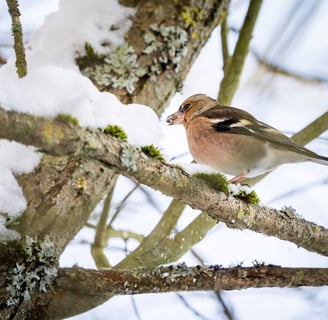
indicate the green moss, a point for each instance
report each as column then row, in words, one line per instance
column 115, row 131
column 215, row 180
column 67, row 118
column 153, row 152
column 250, row 197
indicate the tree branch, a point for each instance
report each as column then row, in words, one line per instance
column 168, row 13
column 281, row 70
column 100, row 240
column 313, row 130
column 224, row 42
column 234, row 68
column 183, row 278
column 74, row 285
column 58, row 138
column 18, row 38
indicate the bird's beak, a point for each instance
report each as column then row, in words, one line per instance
column 175, row 118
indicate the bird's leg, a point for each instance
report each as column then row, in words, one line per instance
column 238, row 178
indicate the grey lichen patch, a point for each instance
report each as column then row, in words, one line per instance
column 128, row 157
column 119, row 69
column 173, row 272
column 290, row 212
column 167, row 45
column 37, row 270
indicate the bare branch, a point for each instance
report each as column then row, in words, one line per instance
column 100, row 241
column 79, row 284
column 224, row 41
column 18, row 38
column 275, row 68
column 233, row 70
column 313, row 130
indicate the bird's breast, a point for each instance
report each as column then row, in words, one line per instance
column 226, row 152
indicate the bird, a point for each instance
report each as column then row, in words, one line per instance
column 232, row 141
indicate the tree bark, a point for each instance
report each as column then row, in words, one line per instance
column 63, row 190
column 74, row 286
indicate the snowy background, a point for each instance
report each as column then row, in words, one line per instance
column 290, row 34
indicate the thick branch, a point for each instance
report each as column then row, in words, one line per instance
column 74, row 285
column 61, row 193
column 58, row 138
column 166, row 13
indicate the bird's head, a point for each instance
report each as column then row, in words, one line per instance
column 191, row 108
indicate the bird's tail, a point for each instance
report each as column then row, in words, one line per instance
column 320, row 159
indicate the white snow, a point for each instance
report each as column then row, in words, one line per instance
column 54, row 84
column 76, row 22
column 57, row 87
column 193, row 168
column 15, row 158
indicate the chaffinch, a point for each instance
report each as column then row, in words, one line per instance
column 233, row 142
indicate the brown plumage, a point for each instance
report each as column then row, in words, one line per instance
column 232, row 141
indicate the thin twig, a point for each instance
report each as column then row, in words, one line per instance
column 97, row 248
column 190, row 307
column 119, row 207
column 228, row 313
column 135, row 308
column 218, row 295
column 150, row 199
column 224, row 42
column 16, row 26
column 275, row 68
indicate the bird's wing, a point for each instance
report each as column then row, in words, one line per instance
column 237, row 121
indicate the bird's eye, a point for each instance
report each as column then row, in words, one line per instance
column 186, row 107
